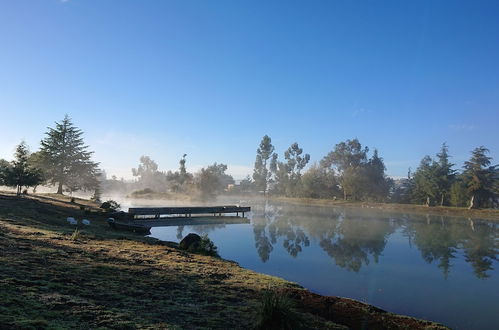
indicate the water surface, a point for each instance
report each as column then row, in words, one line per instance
column 433, row 267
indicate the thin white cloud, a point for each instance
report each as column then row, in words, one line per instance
column 361, row 112
column 462, row 127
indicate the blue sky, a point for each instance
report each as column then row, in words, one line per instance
column 210, row 78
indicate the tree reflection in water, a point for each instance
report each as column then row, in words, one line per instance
column 440, row 239
column 355, row 237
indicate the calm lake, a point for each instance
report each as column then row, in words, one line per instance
column 437, row 268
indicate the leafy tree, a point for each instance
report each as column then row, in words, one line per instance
column 213, row 180
column 280, row 175
column 4, row 167
column 288, row 174
column 146, row 170
column 319, row 182
column 480, row 178
column 347, row 158
column 360, row 178
column 148, row 175
column 295, row 161
column 66, row 160
column 21, row 174
column 265, row 156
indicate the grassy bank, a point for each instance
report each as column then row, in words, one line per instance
column 489, row 214
column 51, row 277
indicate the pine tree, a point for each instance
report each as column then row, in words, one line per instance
column 20, row 173
column 445, row 174
column 378, row 185
column 66, row 160
column 480, row 178
column 425, row 181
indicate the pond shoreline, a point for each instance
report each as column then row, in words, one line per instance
column 53, row 275
column 451, row 211
column 487, row 214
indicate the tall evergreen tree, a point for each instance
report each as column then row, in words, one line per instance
column 425, row 181
column 21, row 174
column 265, row 156
column 445, row 174
column 378, row 185
column 66, row 160
column 480, row 178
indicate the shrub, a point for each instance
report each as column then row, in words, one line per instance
column 206, row 246
column 276, row 312
column 110, row 206
column 201, row 245
column 143, row 192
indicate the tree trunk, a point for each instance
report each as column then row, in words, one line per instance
column 442, row 200
column 472, row 203
column 427, row 201
column 59, row 189
column 344, row 194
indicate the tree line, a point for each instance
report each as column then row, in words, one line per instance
column 349, row 171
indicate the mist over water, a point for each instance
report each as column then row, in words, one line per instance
column 434, row 267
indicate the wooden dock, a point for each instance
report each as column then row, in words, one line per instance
column 137, row 213
column 141, row 219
